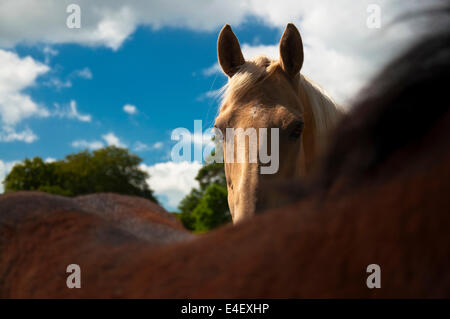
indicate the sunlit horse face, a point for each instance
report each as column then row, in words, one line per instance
column 262, row 93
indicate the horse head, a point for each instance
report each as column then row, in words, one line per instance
column 268, row 107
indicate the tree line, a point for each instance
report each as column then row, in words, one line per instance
column 110, row 169
column 116, row 170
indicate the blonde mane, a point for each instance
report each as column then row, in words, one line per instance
column 247, row 76
column 324, row 113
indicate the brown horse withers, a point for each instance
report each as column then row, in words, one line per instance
column 380, row 198
column 266, row 94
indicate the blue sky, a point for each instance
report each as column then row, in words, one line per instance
column 63, row 90
column 162, row 74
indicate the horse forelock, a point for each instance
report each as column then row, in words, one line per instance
column 247, row 76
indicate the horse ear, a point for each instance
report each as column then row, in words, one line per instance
column 291, row 50
column 229, row 51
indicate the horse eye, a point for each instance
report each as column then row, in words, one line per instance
column 297, row 130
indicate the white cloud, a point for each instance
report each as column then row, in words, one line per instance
column 172, row 180
column 71, row 112
column 91, row 145
column 50, row 160
column 112, row 140
column 249, row 51
column 17, row 74
column 142, row 147
column 130, row 109
column 341, row 52
column 84, row 73
column 213, row 69
column 104, row 22
column 109, row 22
column 58, row 83
column 9, row 134
column 74, row 113
column 252, row 51
column 5, row 168
column 49, row 52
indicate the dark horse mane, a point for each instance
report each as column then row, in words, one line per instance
column 381, row 198
column 397, row 109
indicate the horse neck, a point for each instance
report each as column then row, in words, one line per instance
column 320, row 114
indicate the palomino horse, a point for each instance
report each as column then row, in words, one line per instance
column 263, row 93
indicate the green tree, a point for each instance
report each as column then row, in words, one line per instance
column 187, row 206
column 211, row 173
column 207, row 207
column 212, row 210
column 32, row 174
column 110, row 169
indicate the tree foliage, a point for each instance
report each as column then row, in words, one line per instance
column 109, row 169
column 207, row 207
